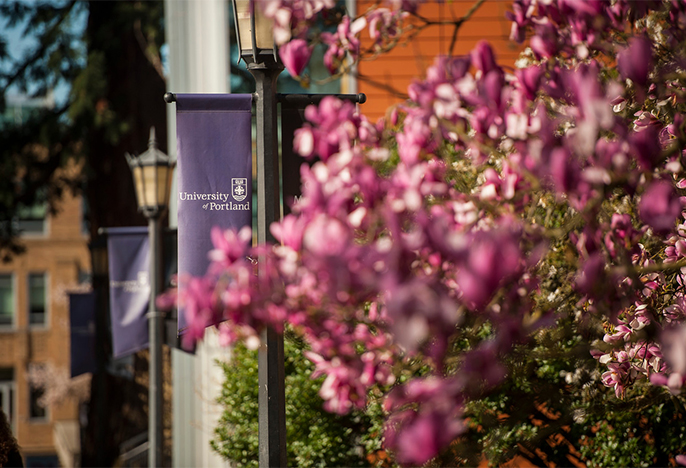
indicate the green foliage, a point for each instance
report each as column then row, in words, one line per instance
column 646, row 429
column 314, row 437
column 237, row 436
column 553, row 408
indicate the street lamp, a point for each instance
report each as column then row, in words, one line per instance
column 152, row 172
column 256, row 44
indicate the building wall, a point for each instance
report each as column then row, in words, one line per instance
column 62, row 253
column 409, row 60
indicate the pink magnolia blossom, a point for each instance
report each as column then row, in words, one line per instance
column 343, row 42
column 385, row 25
column 659, row 206
column 491, row 258
column 635, row 62
column 295, row 55
column 482, row 189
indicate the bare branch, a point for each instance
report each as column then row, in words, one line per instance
column 461, row 21
column 154, row 59
column 382, row 86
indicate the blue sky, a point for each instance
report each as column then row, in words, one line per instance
column 18, row 45
column 15, row 42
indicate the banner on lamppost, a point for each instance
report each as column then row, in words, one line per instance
column 82, row 332
column 292, row 118
column 214, row 167
column 128, row 250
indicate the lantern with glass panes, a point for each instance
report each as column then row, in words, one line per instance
column 152, row 174
column 254, row 34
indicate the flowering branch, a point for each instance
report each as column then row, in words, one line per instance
column 487, row 208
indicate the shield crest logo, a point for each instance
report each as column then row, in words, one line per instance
column 239, row 188
column 143, row 278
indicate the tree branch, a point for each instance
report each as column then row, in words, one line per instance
column 382, row 86
column 459, row 23
column 154, row 59
column 43, row 46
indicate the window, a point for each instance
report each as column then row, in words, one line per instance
column 31, row 219
column 42, row 461
column 37, row 299
column 39, row 375
column 36, row 410
column 6, row 300
column 7, row 394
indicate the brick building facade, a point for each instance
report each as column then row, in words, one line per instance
column 34, row 331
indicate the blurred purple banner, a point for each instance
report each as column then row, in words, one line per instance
column 214, row 167
column 128, row 250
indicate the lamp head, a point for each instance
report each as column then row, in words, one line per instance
column 255, row 36
column 152, row 173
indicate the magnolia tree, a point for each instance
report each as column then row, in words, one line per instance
column 480, row 213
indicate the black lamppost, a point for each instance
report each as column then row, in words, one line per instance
column 98, row 413
column 256, row 44
column 152, row 172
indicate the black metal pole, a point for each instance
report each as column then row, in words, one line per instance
column 305, row 99
column 297, row 99
column 155, row 324
column 99, row 417
column 271, row 375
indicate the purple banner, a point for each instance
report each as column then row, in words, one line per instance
column 82, row 331
column 214, row 166
column 128, row 250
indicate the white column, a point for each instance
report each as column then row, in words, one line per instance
column 349, row 81
column 198, row 41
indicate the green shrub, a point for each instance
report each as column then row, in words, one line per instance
column 314, row 437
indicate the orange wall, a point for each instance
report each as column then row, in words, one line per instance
column 407, row 61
